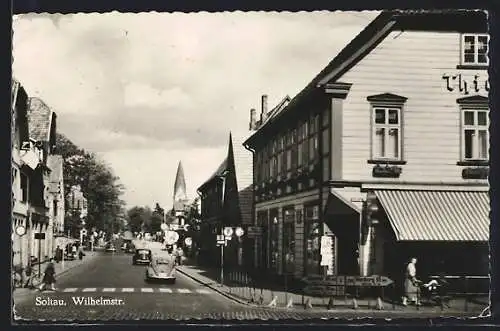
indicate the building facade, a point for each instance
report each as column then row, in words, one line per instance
column 226, row 201
column 385, row 152
column 24, row 160
column 42, row 128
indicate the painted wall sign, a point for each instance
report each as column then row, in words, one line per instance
column 466, row 85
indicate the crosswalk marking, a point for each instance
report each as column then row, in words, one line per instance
column 70, row 289
column 132, row 290
column 89, row 289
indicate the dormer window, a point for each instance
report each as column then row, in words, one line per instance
column 475, row 49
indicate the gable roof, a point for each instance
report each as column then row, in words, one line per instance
column 39, row 117
column 436, row 19
column 219, row 172
column 243, row 164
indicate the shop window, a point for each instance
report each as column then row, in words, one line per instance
column 273, row 239
column 289, row 241
column 312, row 238
column 55, row 208
column 475, row 49
column 475, row 136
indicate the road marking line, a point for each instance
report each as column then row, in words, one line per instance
column 203, row 291
column 183, row 290
column 111, row 289
column 146, row 290
column 127, row 289
column 165, row 290
column 70, row 289
column 89, row 289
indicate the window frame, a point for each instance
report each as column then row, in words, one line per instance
column 476, row 50
column 387, row 126
column 475, row 108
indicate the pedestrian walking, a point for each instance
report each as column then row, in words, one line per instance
column 411, row 283
column 81, row 253
column 49, row 276
column 179, row 254
column 28, row 272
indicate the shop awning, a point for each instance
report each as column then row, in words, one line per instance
column 417, row 215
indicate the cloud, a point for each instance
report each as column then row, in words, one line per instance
column 179, row 81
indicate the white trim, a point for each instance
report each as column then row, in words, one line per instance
column 476, row 49
column 475, row 109
column 405, row 187
column 387, row 127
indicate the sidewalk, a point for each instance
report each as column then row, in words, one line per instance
column 265, row 297
column 60, row 269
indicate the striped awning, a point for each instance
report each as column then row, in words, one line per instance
column 437, row 215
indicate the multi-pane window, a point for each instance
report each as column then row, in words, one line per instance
column 386, row 140
column 475, row 135
column 475, row 49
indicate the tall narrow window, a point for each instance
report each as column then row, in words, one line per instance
column 475, row 136
column 475, row 49
column 386, row 133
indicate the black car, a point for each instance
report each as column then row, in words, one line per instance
column 142, row 256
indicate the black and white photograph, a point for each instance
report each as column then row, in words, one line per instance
column 250, row 165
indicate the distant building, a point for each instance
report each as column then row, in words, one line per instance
column 77, row 203
column 181, row 200
column 226, row 200
column 56, row 189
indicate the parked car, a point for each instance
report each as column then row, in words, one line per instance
column 142, row 256
column 110, row 248
column 161, row 268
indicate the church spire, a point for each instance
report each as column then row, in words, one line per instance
column 180, row 185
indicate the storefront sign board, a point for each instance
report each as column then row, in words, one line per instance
column 325, row 290
column 374, row 281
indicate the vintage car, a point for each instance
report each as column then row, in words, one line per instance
column 110, row 248
column 161, row 268
column 141, row 256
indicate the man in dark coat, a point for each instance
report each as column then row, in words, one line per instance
column 58, row 254
column 49, row 277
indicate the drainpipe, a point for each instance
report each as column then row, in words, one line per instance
column 256, row 256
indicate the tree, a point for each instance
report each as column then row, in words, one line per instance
column 157, row 218
column 98, row 183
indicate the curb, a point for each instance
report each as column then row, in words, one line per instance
column 214, row 288
column 362, row 311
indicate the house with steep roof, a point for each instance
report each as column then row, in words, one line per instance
column 23, row 162
column 42, row 132
column 383, row 155
column 226, row 201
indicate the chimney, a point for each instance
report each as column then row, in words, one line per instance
column 263, row 114
column 253, row 119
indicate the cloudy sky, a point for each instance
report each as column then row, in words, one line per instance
column 144, row 91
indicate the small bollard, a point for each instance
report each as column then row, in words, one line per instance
column 289, row 303
column 261, row 299
column 331, row 304
column 354, row 303
column 308, row 304
column 273, row 302
column 380, row 304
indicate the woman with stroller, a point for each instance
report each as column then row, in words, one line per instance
column 411, row 284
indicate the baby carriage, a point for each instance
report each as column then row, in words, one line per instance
column 435, row 292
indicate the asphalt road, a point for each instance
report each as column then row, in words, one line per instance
column 112, row 276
